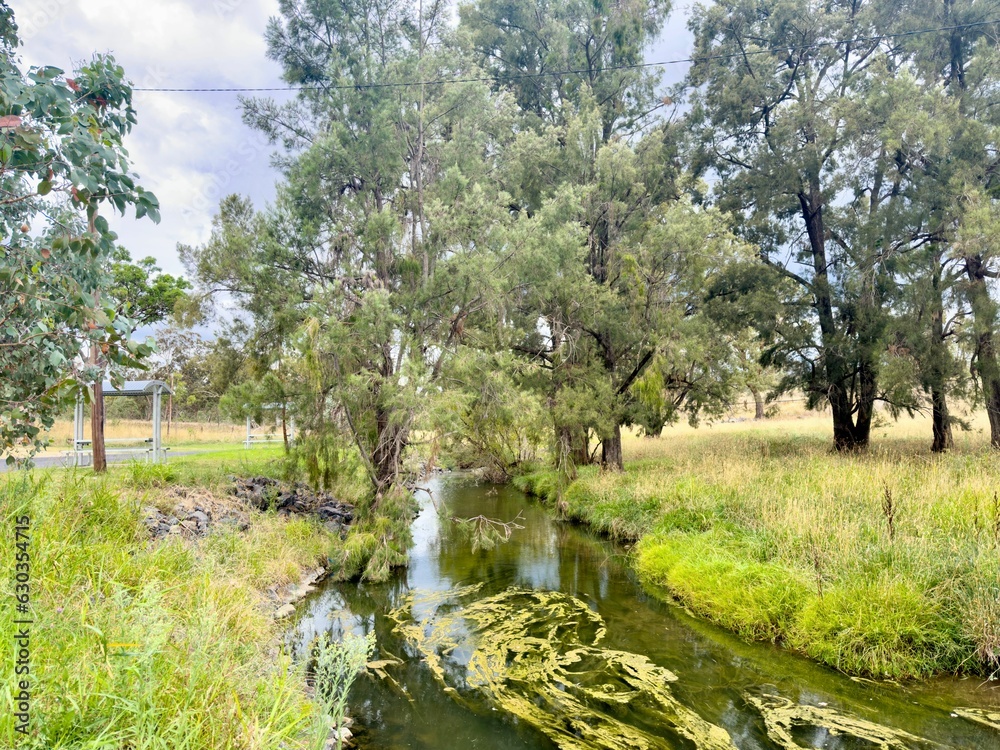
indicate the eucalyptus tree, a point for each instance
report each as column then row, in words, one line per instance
column 977, row 247
column 141, row 291
column 931, row 314
column 813, row 123
column 961, row 62
column 61, row 161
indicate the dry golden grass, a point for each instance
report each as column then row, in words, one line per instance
column 181, row 433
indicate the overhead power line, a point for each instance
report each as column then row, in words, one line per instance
column 572, row 71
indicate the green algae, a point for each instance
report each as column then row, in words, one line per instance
column 782, row 717
column 537, row 655
column 989, row 719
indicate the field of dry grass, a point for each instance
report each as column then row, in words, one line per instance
column 181, row 433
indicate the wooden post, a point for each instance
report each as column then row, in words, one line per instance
column 97, row 418
column 97, row 408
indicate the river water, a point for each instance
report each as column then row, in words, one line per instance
column 548, row 641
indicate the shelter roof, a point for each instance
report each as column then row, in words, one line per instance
column 136, row 388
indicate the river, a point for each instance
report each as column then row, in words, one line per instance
column 549, row 641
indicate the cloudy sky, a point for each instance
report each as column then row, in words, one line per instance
column 191, row 149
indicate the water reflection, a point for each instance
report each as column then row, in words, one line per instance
column 721, row 680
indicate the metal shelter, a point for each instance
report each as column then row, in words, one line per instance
column 153, row 450
column 269, row 436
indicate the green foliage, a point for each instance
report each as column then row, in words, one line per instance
column 61, row 161
column 379, row 539
column 487, row 419
column 518, row 43
column 337, row 664
column 328, row 461
column 142, row 293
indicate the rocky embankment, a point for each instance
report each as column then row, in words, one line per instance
column 265, row 494
column 195, row 511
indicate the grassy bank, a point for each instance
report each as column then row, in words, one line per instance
column 883, row 565
column 147, row 645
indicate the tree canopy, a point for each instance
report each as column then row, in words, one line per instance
column 61, row 162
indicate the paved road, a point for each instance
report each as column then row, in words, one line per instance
column 49, row 462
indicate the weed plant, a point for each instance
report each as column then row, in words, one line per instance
column 337, row 664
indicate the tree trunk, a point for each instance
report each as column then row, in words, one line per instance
column 837, row 369
column 611, row 451
column 988, row 371
column 97, row 419
column 941, row 422
column 852, row 422
column 985, row 367
column 758, row 403
column 387, row 456
column 284, row 426
column 97, row 429
column 940, row 419
column 573, row 441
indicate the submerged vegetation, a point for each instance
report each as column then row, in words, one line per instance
column 766, row 532
column 538, row 655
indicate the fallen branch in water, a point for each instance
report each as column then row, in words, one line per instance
column 486, row 533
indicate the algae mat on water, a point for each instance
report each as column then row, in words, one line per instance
column 537, row 655
column 785, row 719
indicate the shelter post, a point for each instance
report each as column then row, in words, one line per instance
column 79, row 439
column 157, row 423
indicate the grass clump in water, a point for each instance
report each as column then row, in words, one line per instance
column 717, row 576
column 884, row 627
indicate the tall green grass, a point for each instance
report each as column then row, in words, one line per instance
column 165, row 646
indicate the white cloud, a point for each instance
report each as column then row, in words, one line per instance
column 192, row 149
